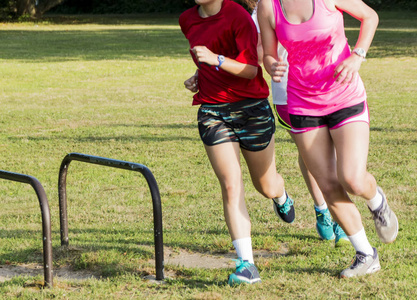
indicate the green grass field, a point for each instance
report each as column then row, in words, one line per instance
column 113, row 87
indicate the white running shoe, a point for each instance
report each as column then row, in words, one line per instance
column 362, row 264
column 386, row 222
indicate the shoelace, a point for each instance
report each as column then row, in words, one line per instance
column 379, row 215
column 285, row 208
column 240, row 264
column 359, row 258
column 338, row 230
column 324, row 219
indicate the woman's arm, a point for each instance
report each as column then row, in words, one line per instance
column 205, row 55
column 349, row 68
column 260, row 50
column 366, row 15
column 272, row 63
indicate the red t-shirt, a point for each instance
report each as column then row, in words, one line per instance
column 231, row 33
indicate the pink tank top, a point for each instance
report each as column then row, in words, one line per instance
column 315, row 48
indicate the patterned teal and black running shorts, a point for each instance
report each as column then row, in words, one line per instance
column 248, row 122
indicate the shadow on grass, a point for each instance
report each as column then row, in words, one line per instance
column 112, row 239
column 148, row 134
column 111, row 19
column 104, row 239
column 141, row 137
column 95, row 138
column 142, row 44
column 197, row 283
column 83, row 255
column 163, row 126
column 393, row 129
column 108, row 242
column 92, row 139
column 309, row 271
column 155, row 137
column 92, row 45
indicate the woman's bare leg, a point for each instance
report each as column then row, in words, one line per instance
column 263, row 171
column 225, row 160
column 317, row 150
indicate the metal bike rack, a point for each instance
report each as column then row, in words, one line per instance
column 46, row 219
column 156, row 199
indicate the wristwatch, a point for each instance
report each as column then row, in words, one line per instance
column 221, row 60
column 359, row 51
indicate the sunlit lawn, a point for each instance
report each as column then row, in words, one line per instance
column 113, row 87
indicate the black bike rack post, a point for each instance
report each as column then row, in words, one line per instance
column 156, row 199
column 46, row 219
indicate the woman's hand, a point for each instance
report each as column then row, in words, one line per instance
column 348, row 69
column 192, row 83
column 278, row 69
column 204, row 55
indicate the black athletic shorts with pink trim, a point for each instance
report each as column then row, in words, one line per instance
column 248, row 122
column 355, row 113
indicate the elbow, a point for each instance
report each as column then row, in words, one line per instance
column 376, row 18
column 252, row 75
column 373, row 18
column 248, row 72
column 251, row 72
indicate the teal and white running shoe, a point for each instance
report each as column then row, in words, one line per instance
column 285, row 211
column 324, row 224
column 245, row 273
column 341, row 237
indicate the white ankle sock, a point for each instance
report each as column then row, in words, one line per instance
column 375, row 202
column 321, row 207
column 244, row 249
column 360, row 242
column 281, row 200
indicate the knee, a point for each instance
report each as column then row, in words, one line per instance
column 231, row 192
column 331, row 189
column 354, row 184
column 270, row 188
column 268, row 192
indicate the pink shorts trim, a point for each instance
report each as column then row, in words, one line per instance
column 363, row 117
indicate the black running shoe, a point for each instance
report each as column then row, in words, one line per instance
column 285, row 211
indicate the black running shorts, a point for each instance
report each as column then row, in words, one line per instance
column 248, row 122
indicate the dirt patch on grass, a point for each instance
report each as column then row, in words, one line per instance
column 7, row 272
column 172, row 257
column 211, row 261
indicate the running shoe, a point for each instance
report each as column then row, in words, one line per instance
column 324, row 224
column 285, row 211
column 386, row 222
column 245, row 273
column 341, row 237
column 362, row 264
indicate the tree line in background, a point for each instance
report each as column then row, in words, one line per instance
column 15, row 9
